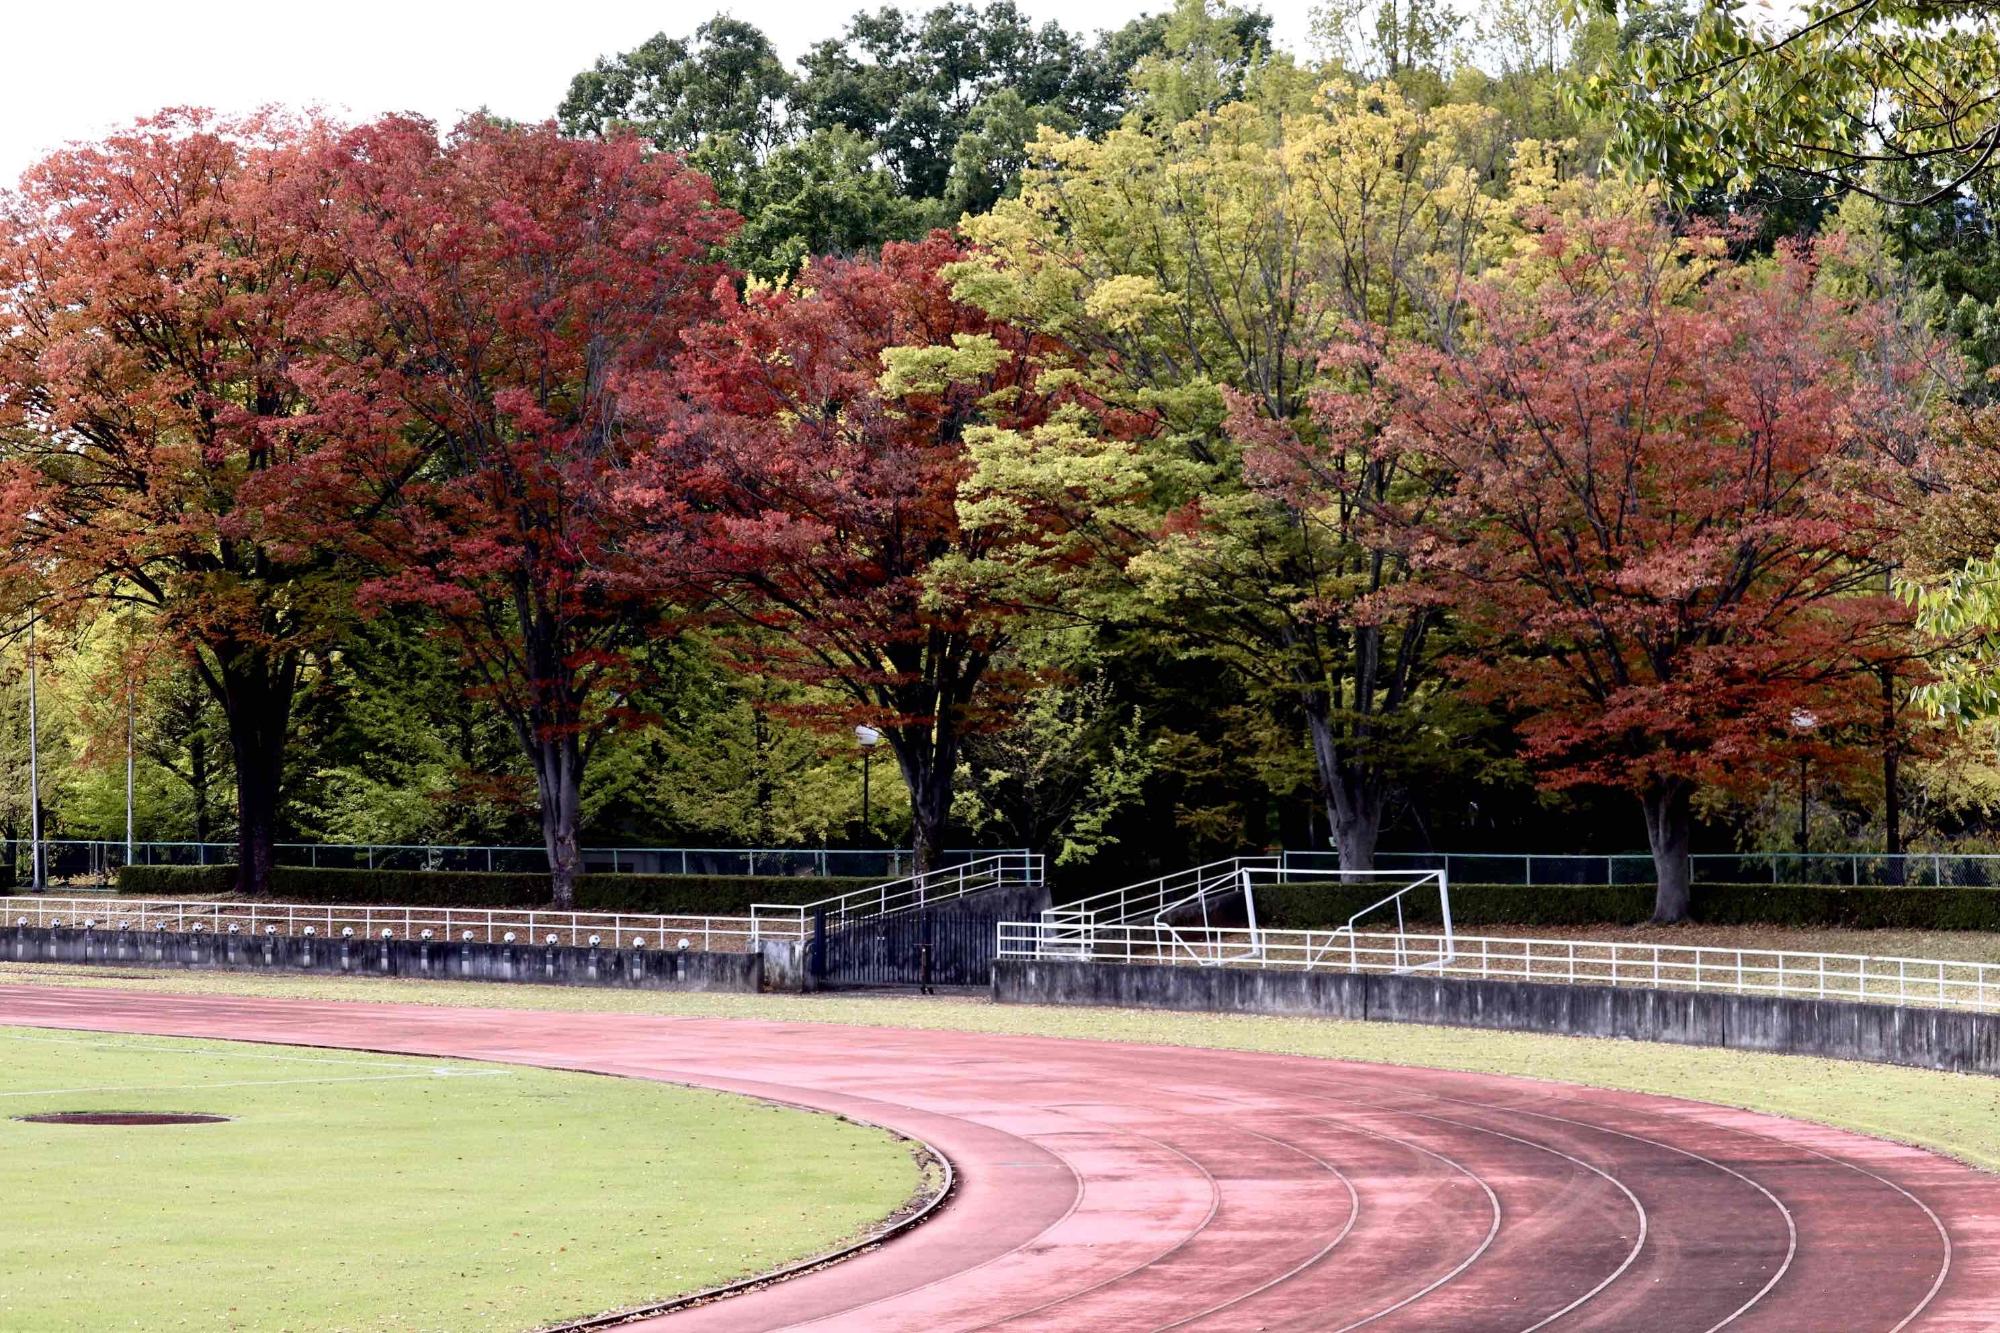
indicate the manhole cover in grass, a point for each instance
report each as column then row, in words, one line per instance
column 122, row 1118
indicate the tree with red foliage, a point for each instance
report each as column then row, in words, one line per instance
column 1663, row 524
column 527, row 292
column 163, row 440
column 830, row 427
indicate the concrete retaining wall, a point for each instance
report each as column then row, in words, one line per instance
column 549, row 965
column 786, row 967
column 1838, row 1029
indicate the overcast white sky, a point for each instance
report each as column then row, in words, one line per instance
column 76, row 68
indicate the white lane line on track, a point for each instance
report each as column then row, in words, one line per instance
column 1944, row 1269
column 1214, row 1206
column 1638, row 1208
column 1076, row 1201
column 1944, row 1236
column 1353, row 1215
column 255, row 1083
column 1791, row 1225
column 1470, row 1259
column 213, row 1048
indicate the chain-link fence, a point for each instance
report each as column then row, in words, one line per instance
column 79, row 861
column 1859, row 869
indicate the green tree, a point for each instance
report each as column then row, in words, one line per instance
column 910, row 83
column 1227, row 276
column 725, row 85
column 394, row 750
column 1830, row 90
column 826, row 194
column 1059, row 775
column 1205, row 57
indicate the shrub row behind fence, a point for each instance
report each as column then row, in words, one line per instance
column 1306, row 906
column 692, row 895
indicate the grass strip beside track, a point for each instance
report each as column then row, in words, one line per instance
column 1955, row 1114
column 363, row 1191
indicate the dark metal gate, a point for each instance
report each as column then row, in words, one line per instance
column 962, row 936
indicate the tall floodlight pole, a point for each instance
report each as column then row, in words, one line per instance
column 129, row 710
column 34, row 766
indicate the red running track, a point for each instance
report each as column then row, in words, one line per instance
column 1108, row 1186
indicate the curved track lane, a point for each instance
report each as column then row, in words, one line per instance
column 1131, row 1187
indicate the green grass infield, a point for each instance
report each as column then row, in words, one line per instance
column 350, row 1191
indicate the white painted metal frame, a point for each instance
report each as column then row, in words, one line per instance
column 1154, row 901
column 998, row 871
column 1408, row 882
column 1927, row 982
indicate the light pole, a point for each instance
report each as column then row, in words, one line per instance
column 1803, row 722
column 869, row 738
column 130, row 708
column 36, row 880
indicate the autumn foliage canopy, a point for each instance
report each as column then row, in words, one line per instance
column 1317, row 394
column 1669, row 503
column 825, row 436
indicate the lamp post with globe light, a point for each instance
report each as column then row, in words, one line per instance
column 1804, row 720
column 868, row 738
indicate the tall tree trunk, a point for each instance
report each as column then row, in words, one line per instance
column 1669, row 807
column 559, row 783
column 255, row 688
column 198, row 782
column 1892, row 764
column 931, row 810
column 766, row 793
column 927, row 759
column 1355, row 795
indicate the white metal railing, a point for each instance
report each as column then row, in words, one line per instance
column 1001, row 870
column 1191, row 895
column 619, row 930
column 1928, row 982
column 1155, row 899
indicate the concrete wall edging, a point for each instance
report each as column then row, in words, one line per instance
column 1959, row 1041
column 437, row 960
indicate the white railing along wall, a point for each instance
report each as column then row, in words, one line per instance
column 1193, row 896
column 1926, row 982
column 1153, row 899
column 617, row 930
column 1002, row 870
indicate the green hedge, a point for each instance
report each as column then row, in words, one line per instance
column 702, row 895
column 1323, row 906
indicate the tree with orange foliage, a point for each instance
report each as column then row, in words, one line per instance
column 164, row 441
column 526, row 297
column 830, row 428
column 1663, row 532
